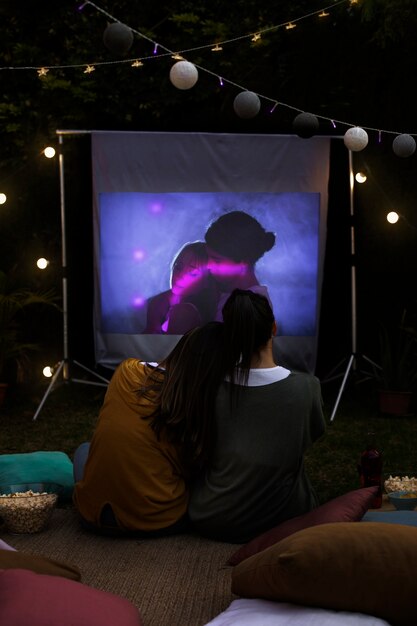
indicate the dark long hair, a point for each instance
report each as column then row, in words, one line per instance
column 185, row 395
column 248, row 320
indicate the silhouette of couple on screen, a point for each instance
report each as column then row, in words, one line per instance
column 204, row 273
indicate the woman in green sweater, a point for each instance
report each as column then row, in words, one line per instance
column 265, row 419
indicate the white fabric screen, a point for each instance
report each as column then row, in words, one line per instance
column 154, row 192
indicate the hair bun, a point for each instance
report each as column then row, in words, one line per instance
column 239, row 236
column 270, row 239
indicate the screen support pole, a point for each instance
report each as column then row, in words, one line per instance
column 63, row 367
column 352, row 363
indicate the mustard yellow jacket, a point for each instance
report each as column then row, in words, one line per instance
column 127, row 467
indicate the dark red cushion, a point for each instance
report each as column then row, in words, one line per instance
column 350, row 507
column 42, row 600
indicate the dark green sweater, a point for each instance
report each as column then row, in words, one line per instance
column 256, row 478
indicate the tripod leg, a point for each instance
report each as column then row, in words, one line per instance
column 49, row 389
column 342, row 386
column 87, row 369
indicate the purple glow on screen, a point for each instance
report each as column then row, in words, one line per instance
column 141, row 235
column 138, row 302
column 156, row 207
column 139, row 254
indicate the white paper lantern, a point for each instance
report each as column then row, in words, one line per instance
column 305, row 125
column 356, row 139
column 183, row 75
column 246, row 104
column 404, row 145
column 118, row 38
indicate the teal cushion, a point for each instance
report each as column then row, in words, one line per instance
column 406, row 518
column 36, row 467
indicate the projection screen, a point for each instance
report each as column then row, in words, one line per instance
column 155, row 193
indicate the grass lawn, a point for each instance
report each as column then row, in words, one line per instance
column 70, row 412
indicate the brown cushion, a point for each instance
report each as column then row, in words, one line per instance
column 350, row 507
column 366, row 568
column 18, row 560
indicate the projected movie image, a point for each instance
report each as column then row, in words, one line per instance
column 168, row 261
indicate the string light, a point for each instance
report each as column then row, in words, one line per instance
column 274, row 107
column 3, row 198
column 221, row 81
column 49, row 152
column 360, row 177
column 216, row 48
column 393, row 217
column 42, row 71
column 48, row 371
column 324, row 14
column 256, row 37
column 42, row 263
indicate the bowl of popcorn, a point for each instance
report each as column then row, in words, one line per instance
column 398, row 483
column 27, row 507
column 403, row 500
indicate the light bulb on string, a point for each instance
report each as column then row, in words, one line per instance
column 48, row 371
column 246, row 104
column 3, row 198
column 355, row 139
column 49, row 152
column 183, row 75
column 118, row 38
column 404, row 145
column 42, row 263
column 305, row 125
column 360, row 177
column 393, row 217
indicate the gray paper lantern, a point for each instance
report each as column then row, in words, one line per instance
column 404, row 145
column 118, row 38
column 246, row 104
column 356, row 139
column 183, row 75
column 305, row 125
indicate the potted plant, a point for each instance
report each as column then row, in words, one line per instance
column 14, row 349
column 397, row 374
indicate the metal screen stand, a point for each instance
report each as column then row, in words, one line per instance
column 353, row 359
column 63, row 368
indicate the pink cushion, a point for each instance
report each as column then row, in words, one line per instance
column 350, row 507
column 42, row 600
